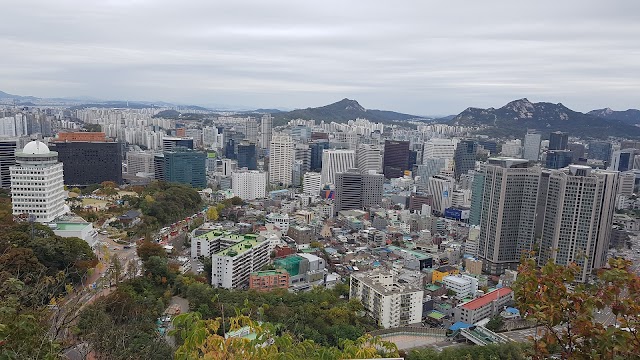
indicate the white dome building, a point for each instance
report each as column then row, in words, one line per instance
column 37, row 184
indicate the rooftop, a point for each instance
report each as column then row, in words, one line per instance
column 249, row 242
column 269, row 272
column 435, row 315
column 71, row 226
column 486, row 299
column 416, row 254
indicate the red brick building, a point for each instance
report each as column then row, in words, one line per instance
column 269, row 280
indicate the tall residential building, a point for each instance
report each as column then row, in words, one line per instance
column 441, row 188
column 558, row 141
column 210, row 137
column 531, row 150
column 89, row 162
column 280, row 159
column 356, row 191
column 37, row 185
column 247, row 155
column 7, row 159
column 626, row 183
column 266, row 131
column 464, row 157
column 336, row 161
column 312, row 183
column 600, row 150
column 396, row 158
column 185, row 166
column 169, row 143
column 507, row 212
column 251, row 130
column 249, row 185
column 369, row 158
column 578, row 218
column 232, row 266
column 389, row 302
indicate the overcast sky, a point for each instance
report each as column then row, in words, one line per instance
column 420, row 57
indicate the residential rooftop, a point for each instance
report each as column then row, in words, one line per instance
column 416, row 254
column 249, row 242
column 486, row 299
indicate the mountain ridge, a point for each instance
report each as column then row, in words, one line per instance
column 514, row 118
column 341, row 111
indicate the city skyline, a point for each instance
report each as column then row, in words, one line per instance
column 424, row 58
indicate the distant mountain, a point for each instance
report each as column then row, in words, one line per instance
column 517, row 116
column 631, row 116
column 341, row 111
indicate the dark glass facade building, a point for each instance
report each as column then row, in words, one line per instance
column 558, row 141
column 464, row 157
column 396, row 158
column 185, row 166
column 86, row 163
column 247, row 155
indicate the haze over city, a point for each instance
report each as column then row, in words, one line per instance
column 419, row 57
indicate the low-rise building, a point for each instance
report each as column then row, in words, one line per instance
column 390, row 303
column 269, row 280
column 463, row 285
column 442, row 271
column 484, row 307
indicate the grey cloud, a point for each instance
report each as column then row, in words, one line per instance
column 424, row 57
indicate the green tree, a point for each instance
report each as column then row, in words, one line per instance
column 495, row 323
column 564, row 310
column 200, row 339
column 148, row 249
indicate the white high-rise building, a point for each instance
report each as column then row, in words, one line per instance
column 336, row 161
column 229, row 166
column 140, row 162
column 531, row 149
column 266, row 131
column 210, row 136
column 281, row 159
column 251, row 130
column 249, row 185
column 439, row 149
column 37, row 184
column 369, row 158
column 389, row 302
column 512, row 148
column 441, row 188
column 312, row 183
column 578, row 218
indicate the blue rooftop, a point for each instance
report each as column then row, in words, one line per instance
column 513, row 311
column 459, row 325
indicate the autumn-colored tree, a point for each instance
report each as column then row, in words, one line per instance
column 212, row 214
column 148, row 249
column 564, row 310
column 200, row 340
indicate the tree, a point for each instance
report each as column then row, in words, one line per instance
column 564, row 314
column 212, row 214
column 200, row 339
column 148, row 249
column 495, row 323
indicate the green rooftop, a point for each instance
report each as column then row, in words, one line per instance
column 432, row 287
column 247, row 244
column 435, row 315
column 266, row 273
column 71, row 226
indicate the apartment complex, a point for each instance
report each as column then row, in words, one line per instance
column 249, row 184
column 336, row 161
column 232, row 266
column 389, row 302
column 578, row 217
column 281, row 159
column 507, row 212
